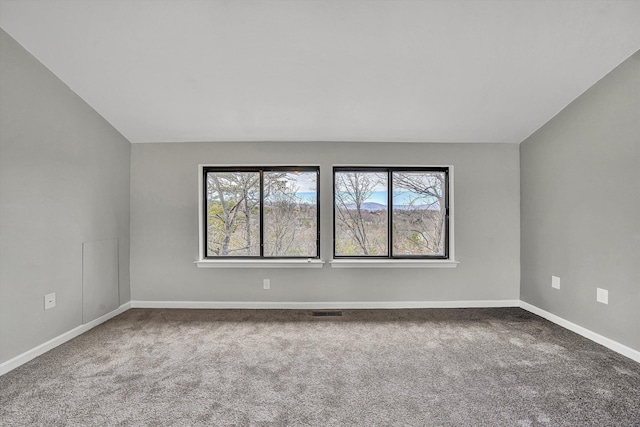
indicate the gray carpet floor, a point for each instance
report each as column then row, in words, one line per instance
column 435, row 367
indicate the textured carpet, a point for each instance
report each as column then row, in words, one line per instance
column 436, row 367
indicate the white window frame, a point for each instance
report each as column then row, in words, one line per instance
column 450, row 262
column 203, row 262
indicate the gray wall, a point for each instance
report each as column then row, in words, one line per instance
column 164, row 225
column 64, row 181
column 580, row 202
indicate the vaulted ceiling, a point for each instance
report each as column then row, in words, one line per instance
column 326, row 70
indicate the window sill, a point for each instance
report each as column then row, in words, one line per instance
column 260, row 263
column 393, row 263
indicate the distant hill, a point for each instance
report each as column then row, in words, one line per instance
column 432, row 207
column 371, row 206
column 374, row 207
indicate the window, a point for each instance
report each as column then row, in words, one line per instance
column 261, row 212
column 384, row 212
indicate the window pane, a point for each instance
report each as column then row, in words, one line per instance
column 418, row 213
column 360, row 202
column 290, row 214
column 233, row 214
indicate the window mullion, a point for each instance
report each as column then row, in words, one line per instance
column 261, row 213
column 390, row 212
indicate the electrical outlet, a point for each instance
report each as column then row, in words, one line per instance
column 49, row 301
column 266, row 283
column 602, row 295
column 555, row 282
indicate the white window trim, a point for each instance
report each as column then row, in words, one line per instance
column 260, row 263
column 393, row 263
column 399, row 262
column 334, row 263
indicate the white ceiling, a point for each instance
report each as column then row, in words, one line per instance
column 326, row 70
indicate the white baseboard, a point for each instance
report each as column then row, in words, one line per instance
column 28, row 355
column 345, row 305
column 23, row 358
column 597, row 338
